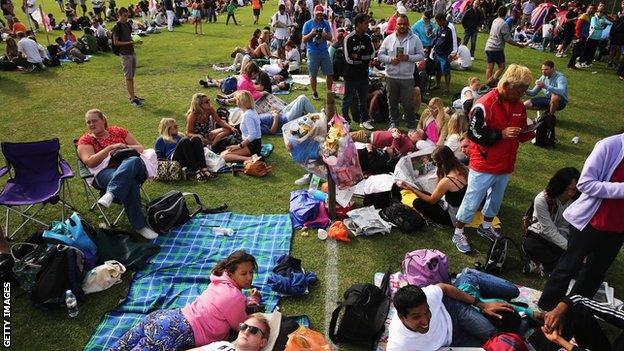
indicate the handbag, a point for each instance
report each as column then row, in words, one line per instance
column 257, row 168
column 28, row 258
column 103, row 277
column 117, row 156
column 169, row 170
column 214, row 161
column 70, row 233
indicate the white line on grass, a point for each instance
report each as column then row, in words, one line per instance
column 331, row 282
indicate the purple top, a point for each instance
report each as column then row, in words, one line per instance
column 594, row 183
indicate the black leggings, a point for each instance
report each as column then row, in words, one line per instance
column 190, row 153
column 227, row 20
column 432, row 211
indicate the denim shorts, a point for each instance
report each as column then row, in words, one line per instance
column 497, row 57
column 542, row 102
column 320, row 60
column 442, row 63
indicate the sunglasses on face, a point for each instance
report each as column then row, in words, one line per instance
column 252, row 330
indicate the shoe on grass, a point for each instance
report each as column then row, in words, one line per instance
column 461, row 243
column 147, row 233
column 136, row 102
column 203, row 83
column 303, row 180
column 315, row 96
column 488, row 233
column 367, row 125
column 106, row 200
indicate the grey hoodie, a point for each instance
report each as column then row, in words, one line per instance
column 411, row 45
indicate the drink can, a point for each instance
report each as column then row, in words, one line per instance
column 576, row 140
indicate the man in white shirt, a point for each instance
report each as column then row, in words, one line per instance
column 462, row 61
column 253, row 335
column 440, row 315
column 281, row 23
column 30, row 55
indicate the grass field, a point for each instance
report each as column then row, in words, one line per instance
column 52, row 104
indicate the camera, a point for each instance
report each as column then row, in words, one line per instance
column 319, row 33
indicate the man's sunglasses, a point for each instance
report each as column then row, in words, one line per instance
column 252, row 330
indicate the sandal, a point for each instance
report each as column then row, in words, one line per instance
column 207, row 174
column 200, row 176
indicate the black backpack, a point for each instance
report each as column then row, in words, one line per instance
column 170, row 210
column 62, row 269
column 405, row 218
column 545, row 133
column 365, row 312
column 497, row 255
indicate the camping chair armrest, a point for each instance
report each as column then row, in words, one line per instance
column 66, row 171
column 4, row 170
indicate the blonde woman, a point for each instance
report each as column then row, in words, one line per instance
column 433, row 121
column 250, row 130
column 172, row 145
column 457, row 125
column 202, row 121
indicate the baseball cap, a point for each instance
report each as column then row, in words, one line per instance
column 402, row 10
column 319, row 9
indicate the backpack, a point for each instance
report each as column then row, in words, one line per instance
column 505, row 342
column 365, row 312
column 170, row 210
column 498, row 254
column 405, row 218
column 228, row 85
column 425, row 267
column 545, row 133
column 62, row 269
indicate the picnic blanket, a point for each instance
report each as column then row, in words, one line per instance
column 181, row 271
column 304, row 79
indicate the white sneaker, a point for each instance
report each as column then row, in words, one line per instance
column 303, row 180
column 367, row 125
column 106, row 200
column 472, row 59
column 147, row 233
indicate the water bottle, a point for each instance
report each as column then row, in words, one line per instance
column 314, row 184
column 319, row 195
column 72, row 304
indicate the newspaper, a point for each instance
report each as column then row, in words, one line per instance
column 417, row 170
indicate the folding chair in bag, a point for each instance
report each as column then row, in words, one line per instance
column 37, row 178
column 93, row 193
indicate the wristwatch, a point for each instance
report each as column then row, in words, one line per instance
column 476, row 302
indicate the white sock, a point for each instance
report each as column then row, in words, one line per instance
column 147, row 233
column 106, row 200
column 486, row 224
column 459, row 231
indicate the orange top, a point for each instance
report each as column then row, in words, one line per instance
column 256, row 4
column 19, row 27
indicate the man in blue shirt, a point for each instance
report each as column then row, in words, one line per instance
column 555, row 88
column 316, row 32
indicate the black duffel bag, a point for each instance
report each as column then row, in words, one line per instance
column 170, row 210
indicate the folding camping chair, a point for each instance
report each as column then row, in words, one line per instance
column 90, row 192
column 37, row 177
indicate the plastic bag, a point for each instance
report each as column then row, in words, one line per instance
column 103, row 277
column 340, row 154
column 303, row 136
column 214, row 162
column 304, row 339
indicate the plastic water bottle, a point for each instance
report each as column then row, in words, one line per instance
column 314, row 184
column 319, row 195
column 72, row 304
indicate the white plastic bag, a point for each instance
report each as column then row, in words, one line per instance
column 103, row 277
column 214, row 162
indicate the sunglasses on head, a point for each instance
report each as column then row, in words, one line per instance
column 252, row 330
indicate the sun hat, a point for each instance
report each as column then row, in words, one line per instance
column 236, row 117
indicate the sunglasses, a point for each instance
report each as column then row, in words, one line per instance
column 252, row 330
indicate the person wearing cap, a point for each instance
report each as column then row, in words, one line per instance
column 425, row 29
column 358, row 51
column 400, row 51
column 316, row 32
column 251, row 134
column 392, row 21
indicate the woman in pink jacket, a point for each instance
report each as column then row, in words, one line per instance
column 209, row 318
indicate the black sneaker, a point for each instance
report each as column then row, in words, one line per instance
column 203, row 83
column 139, row 98
column 315, row 96
column 136, row 102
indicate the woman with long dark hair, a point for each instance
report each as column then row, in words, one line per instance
column 547, row 236
column 452, row 180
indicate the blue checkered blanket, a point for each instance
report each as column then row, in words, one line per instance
column 181, row 271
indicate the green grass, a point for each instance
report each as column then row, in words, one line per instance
column 52, row 104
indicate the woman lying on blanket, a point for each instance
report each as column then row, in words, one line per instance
column 250, row 130
column 244, row 83
column 452, row 180
column 121, row 181
column 189, row 152
column 209, row 318
column 202, row 121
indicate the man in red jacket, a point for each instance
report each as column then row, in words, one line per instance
column 496, row 130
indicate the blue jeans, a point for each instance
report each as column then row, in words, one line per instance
column 489, row 286
column 124, row 182
column 470, row 327
column 479, row 186
column 471, row 34
column 357, row 88
column 298, row 107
